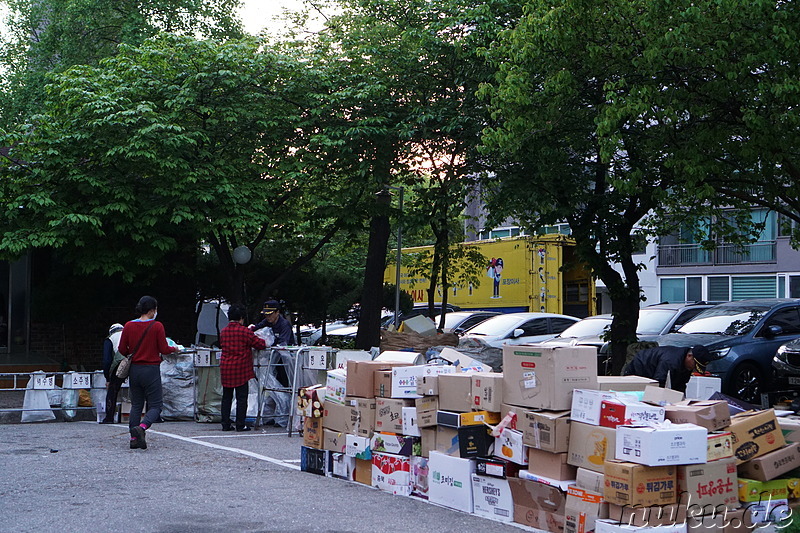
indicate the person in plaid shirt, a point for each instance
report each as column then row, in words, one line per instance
column 236, row 366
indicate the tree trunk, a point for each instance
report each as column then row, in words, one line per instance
column 372, row 296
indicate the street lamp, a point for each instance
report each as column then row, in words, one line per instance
column 398, row 260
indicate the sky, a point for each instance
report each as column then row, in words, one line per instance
column 258, row 14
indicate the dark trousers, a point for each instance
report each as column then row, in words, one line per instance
column 241, row 405
column 145, row 384
column 114, row 384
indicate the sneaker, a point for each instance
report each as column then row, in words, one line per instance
column 135, row 444
column 245, row 428
column 138, row 434
column 227, row 428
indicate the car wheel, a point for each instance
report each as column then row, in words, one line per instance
column 746, row 383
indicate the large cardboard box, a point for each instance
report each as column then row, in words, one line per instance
column 607, row 525
column 538, row 505
column 587, row 404
column 508, row 445
column 711, row 414
column 404, row 379
column 720, row 445
column 545, row 430
column 552, row 465
column 382, row 383
column 428, row 386
column 334, row 441
column 632, row 484
column 621, row 411
column 341, row 418
column 364, row 424
column 427, row 441
column 673, row 444
column 544, row 377
column 754, row 434
column 487, row 391
column 312, row 432
column 772, row 464
column 450, row 481
column 427, row 408
column 492, row 498
column 624, row 383
column 582, row 509
column 389, row 414
column 590, row 446
column 455, row 392
column 360, row 379
column 709, row 488
column 391, row 473
column 466, row 441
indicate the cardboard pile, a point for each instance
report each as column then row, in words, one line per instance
column 549, row 444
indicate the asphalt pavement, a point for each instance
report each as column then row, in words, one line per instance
column 82, row 476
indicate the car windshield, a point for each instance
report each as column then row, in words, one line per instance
column 497, row 325
column 451, row 320
column 653, row 321
column 725, row 320
column 586, row 328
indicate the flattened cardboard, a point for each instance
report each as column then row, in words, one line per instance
column 492, row 498
column 450, row 481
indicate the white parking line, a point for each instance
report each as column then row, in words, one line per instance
column 225, row 448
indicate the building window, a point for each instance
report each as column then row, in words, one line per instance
column 718, row 288
column 673, row 290
column 753, row 287
column 794, row 286
column 694, row 289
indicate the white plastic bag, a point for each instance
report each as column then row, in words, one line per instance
column 38, row 402
column 266, row 334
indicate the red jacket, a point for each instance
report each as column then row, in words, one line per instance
column 236, row 363
column 153, row 345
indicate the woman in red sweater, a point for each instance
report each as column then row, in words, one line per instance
column 146, row 340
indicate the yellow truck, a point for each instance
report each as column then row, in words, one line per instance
column 520, row 274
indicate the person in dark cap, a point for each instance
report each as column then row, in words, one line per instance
column 273, row 318
column 674, row 361
column 111, row 359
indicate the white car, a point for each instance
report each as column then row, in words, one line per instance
column 519, row 328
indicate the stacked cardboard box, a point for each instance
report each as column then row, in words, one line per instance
column 549, row 444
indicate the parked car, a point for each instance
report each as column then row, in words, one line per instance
column 743, row 338
column 786, row 365
column 519, row 328
column 419, row 309
column 460, row 321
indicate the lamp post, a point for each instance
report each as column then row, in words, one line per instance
column 398, row 260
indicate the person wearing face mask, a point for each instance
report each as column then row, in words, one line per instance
column 146, row 339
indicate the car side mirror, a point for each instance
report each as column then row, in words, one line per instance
column 773, row 331
column 519, row 332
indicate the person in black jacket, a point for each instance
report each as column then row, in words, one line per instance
column 111, row 358
column 675, row 361
column 281, row 327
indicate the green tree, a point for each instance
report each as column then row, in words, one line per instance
column 52, row 35
column 176, row 138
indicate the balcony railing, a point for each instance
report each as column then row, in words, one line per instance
column 723, row 254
